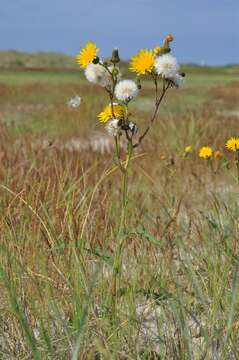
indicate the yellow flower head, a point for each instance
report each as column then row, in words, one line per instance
column 217, row 155
column 106, row 114
column 87, row 54
column 233, row 144
column 205, row 152
column 188, row 149
column 142, row 62
column 157, row 50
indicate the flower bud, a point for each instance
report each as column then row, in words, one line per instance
column 115, row 56
column 123, row 124
column 133, row 127
column 169, row 38
column 96, row 60
column 138, row 83
column 217, row 155
column 166, row 48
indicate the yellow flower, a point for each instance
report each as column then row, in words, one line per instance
column 217, row 155
column 87, row 54
column 142, row 62
column 157, row 50
column 233, row 144
column 205, row 152
column 188, row 149
column 106, row 114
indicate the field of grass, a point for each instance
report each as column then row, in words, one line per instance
column 60, row 189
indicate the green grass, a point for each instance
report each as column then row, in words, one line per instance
column 23, row 77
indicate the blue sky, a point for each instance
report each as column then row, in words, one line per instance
column 204, row 30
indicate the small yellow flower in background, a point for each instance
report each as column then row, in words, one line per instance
column 142, row 62
column 157, row 50
column 188, row 149
column 232, row 144
column 87, row 54
column 217, row 155
column 205, row 152
column 107, row 115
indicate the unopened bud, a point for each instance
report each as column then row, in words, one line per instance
column 217, row 155
column 166, row 48
column 169, row 38
column 133, row 127
column 115, row 56
column 138, row 83
column 96, row 60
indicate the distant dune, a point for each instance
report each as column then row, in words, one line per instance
column 17, row 59
column 13, row 59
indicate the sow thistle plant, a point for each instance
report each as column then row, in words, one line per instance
column 164, row 71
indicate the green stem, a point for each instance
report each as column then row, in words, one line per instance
column 121, row 236
column 237, row 165
column 157, row 105
column 122, row 226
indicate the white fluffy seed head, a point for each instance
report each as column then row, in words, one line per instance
column 74, row 102
column 133, row 127
column 178, row 80
column 126, row 90
column 112, row 127
column 97, row 74
column 166, row 66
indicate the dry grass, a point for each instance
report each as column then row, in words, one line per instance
column 59, row 211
